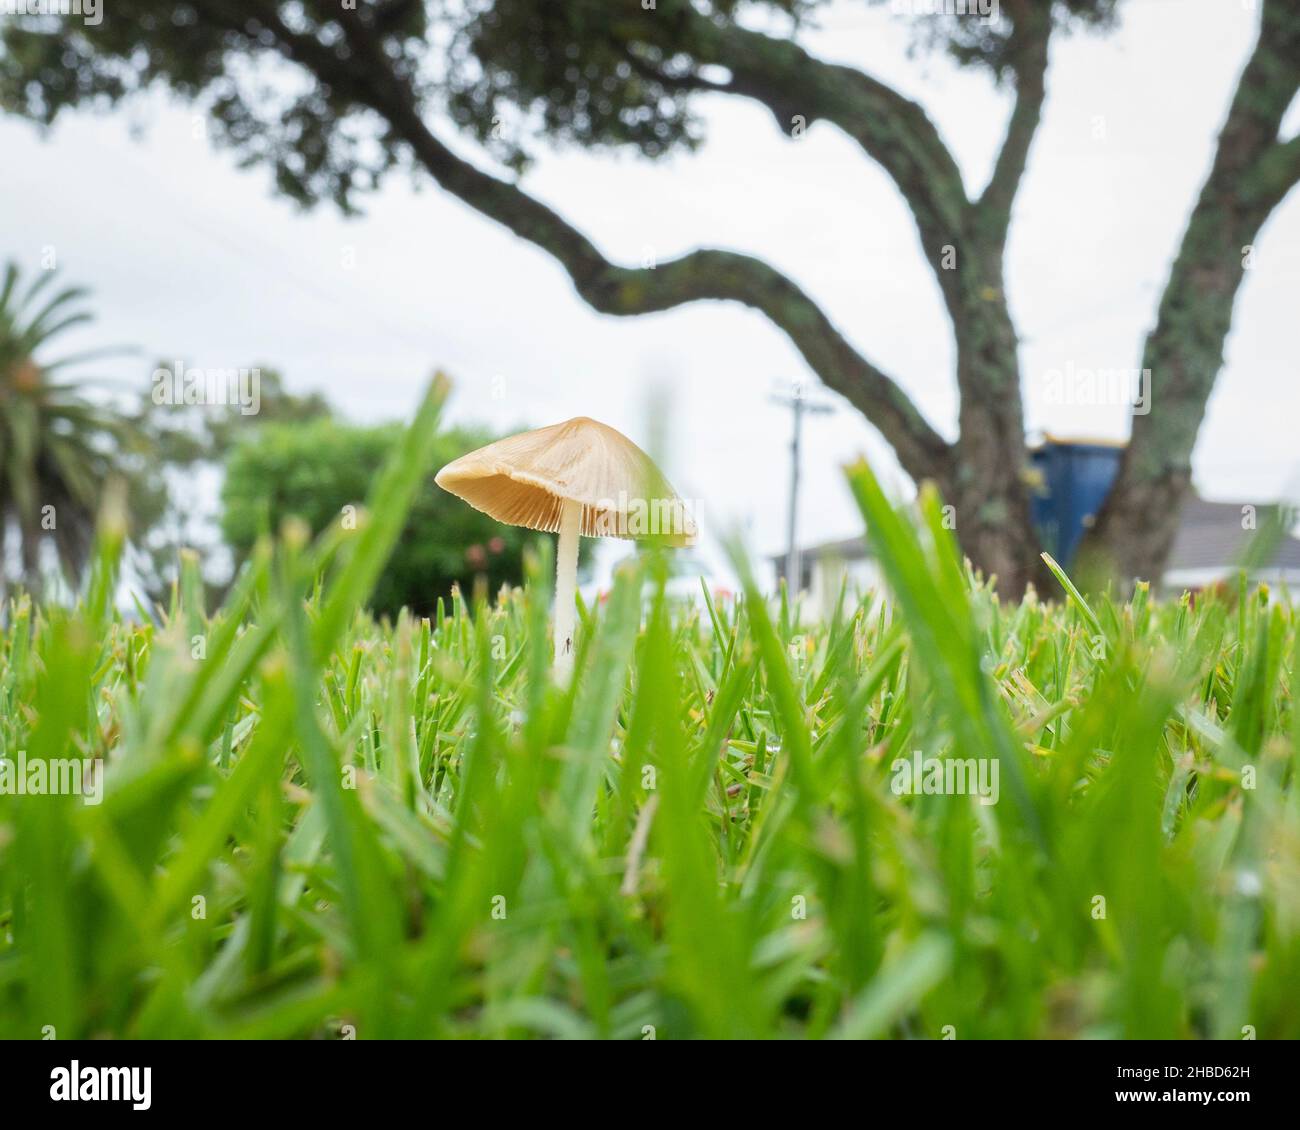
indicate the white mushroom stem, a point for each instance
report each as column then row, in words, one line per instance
column 566, row 582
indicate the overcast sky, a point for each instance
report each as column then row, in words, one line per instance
column 190, row 257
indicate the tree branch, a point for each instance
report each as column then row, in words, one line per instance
column 1029, row 48
column 893, row 130
column 701, row 275
column 1277, row 172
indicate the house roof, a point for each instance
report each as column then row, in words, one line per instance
column 847, row 549
column 1210, row 536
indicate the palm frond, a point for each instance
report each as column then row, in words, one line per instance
column 58, row 447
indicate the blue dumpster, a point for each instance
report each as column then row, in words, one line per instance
column 1073, row 481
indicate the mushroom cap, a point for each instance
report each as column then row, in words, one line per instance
column 524, row 480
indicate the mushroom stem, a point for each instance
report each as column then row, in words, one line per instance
column 566, row 582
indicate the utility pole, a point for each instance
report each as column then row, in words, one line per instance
column 798, row 401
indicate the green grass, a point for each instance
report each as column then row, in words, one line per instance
column 314, row 824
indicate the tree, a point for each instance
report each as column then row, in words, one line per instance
column 599, row 73
column 57, row 448
column 321, row 472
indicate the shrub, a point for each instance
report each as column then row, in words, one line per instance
column 313, row 471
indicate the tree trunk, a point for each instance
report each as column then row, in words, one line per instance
column 1252, row 172
column 29, row 558
column 991, row 508
column 987, row 483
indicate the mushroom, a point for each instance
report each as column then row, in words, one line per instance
column 578, row 477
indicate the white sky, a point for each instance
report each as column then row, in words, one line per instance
column 190, row 257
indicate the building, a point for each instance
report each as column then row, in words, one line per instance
column 825, row 567
column 1215, row 538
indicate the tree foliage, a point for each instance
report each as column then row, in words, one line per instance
column 58, row 447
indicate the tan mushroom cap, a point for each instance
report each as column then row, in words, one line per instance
column 523, row 480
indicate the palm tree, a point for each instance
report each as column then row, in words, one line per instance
column 57, row 448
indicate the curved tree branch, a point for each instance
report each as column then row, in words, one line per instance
column 893, row 130
column 963, row 242
column 611, row 289
column 800, row 89
column 701, row 275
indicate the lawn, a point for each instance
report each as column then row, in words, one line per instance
column 316, row 825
